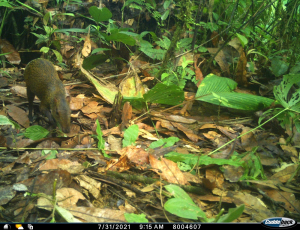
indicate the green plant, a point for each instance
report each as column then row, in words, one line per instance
column 130, row 135
column 288, row 95
column 253, row 168
column 101, row 141
column 183, row 206
column 181, row 75
column 5, row 121
column 36, row 132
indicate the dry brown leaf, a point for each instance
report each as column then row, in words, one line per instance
column 13, row 55
column 253, row 205
column 214, row 179
column 91, row 107
column 168, row 170
column 91, row 214
column 248, row 141
column 120, row 165
column 86, row 50
column 19, row 115
column 68, row 197
column 114, row 142
column 76, row 103
column 208, row 126
column 126, row 114
column 89, row 184
column 285, row 174
column 291, row 203
column 135, row 155
column 71, row 167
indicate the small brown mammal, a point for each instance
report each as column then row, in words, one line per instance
column 42, row 80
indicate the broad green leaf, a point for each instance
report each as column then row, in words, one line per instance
column 279, row 67
column 233, row 214
column 100, row 15
column 36, row 132
column 219, row 91
column 130, row 135
column 178, row 192
column 153, row 53
column 93, row 61
column 181, row 208
column 240, row 101
column 213, row 83
column 121, row 37
column 163, row 94
column 135, row 218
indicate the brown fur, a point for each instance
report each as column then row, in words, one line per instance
column 42, row 80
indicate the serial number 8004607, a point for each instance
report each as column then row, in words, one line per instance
column 186, row 226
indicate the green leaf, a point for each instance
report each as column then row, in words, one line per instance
column 167, row 142
column 233, row 214
column 163, row 94
column 153, row 53
column 138, row 103
column 202, row 49
column 5, row 4
column 242, row 39
column 100, row 15
column 165, row 15
column 5, row 121
column 58, row 56
column 99, row 50
column 192, row 159
column 167, row 4
column 213, row 83
column 130, row 135
column 68, row 216
column 135, row 218
column 29, row 7
column 45, row 49
column 178, row 192
column 75, row 30
column 282, row 92
column 36, row 132
column 219, row 91
column 52, row 155
column 93, row 61
column 121, row 37
column 182, row 205
column 279, row 67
